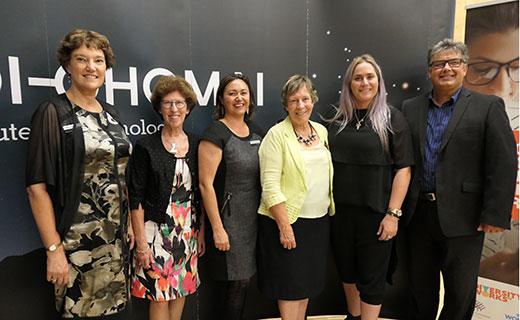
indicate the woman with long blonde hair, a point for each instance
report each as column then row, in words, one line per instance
column 371, row 151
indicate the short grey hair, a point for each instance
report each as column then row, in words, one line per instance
column 295, row 83
column 448, row 45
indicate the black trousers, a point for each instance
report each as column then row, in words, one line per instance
column 360, row 257
column 429, row 254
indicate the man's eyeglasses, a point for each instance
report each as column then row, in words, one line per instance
column 180, row 104
column 482, row 73
column 440, row 64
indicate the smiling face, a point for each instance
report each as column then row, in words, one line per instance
column 447, row 79
column 173, row 110
column 364, row 84
column 299, row 106
column 87, row 68
column 236, row 98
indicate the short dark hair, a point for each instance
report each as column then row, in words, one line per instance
column 168, row 84
column 448, row 45
column 219, row 112
column 91, row 39
column 497, row 18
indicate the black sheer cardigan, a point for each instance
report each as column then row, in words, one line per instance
column 55, row 156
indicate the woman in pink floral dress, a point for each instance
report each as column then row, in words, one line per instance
column 164, row 203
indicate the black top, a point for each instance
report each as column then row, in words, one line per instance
column 150, row 172
column 363, row 170
column 55, row 156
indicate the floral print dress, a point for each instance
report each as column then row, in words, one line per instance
column 173, row 273
column 95, row 245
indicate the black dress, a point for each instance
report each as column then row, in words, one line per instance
column 237, row 186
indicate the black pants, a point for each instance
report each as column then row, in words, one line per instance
column 429, row 254
column 361, row 258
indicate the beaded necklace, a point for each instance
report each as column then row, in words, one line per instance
column 306, row 140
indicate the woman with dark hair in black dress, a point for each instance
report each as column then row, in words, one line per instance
column 230, row 186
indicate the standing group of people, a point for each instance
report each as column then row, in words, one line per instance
column 268, row 204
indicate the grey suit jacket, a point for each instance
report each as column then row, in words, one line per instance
column 476, row 166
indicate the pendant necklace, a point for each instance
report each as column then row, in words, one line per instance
column 173, row 149
column 310, row 138
column 360, row 122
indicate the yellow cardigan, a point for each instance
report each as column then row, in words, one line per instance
column 282, row 170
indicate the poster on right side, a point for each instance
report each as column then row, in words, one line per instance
column 492, row 40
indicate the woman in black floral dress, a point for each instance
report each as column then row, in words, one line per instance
column 77, row 157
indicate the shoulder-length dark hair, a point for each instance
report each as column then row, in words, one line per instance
column 219, row 112
column 497, row 18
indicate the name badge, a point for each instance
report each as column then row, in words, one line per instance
column 68, row 127
column 253, row 142
column 111, row 119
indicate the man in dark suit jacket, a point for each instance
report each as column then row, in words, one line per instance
column 462, row 187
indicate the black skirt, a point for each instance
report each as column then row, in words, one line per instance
column 298, row 273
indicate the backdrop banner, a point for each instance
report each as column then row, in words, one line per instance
column 202, row 41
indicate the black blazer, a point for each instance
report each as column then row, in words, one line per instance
column 476, row 165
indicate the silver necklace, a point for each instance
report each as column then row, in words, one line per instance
column 360, row 122
column 173, row 149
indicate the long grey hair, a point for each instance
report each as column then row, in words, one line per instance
column 378, row 110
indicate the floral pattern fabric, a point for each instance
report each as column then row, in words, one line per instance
column 95, row 243
column 173, row 273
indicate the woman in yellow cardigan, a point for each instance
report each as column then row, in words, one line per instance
column 293, row 227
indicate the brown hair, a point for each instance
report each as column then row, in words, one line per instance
column 168, row 84
column 91, row 39
column 498, row 18
column 295, row 83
